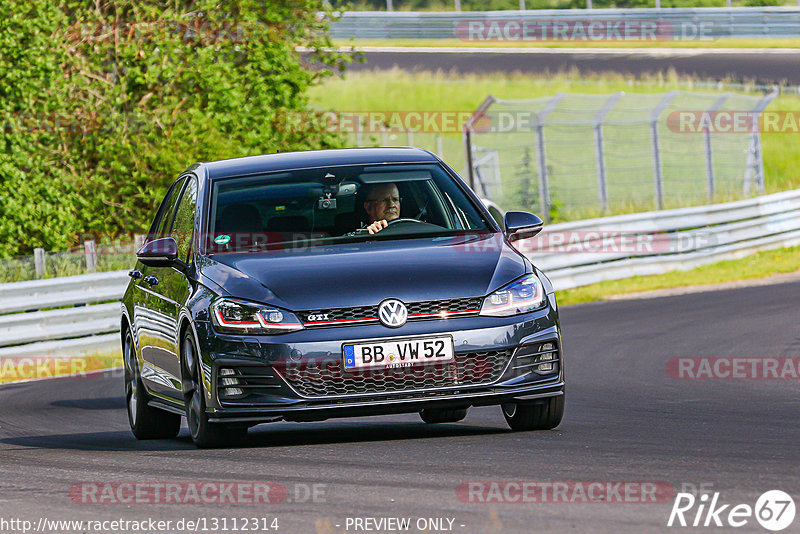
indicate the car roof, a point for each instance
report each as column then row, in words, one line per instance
column 314, row 158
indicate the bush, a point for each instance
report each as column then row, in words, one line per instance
column 105, row 103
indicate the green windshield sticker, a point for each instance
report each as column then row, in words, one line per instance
column 222, row 239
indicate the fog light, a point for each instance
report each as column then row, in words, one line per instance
column 546, row 357
column 547, row 346
column 546, row 367
column 226, row 372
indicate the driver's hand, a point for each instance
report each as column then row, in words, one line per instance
column 377, row 226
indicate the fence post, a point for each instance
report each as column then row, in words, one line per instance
column 654, row 115
column 138, row 242
column 466, row 130
column 709, row 154
column 468, row 156
column 410, row 137
column 39, row 262
column 602, row 185
column 760, row 107
column 384, row 135
column 522, row 5
column 359, row 140
column 90, row 250
column 544, row 185
column 439, row 148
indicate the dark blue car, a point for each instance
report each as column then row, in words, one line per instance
column 336, row 283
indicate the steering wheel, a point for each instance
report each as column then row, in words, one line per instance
column 403, row 220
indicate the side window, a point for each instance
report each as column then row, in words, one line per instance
column 162, row 208
column 168, row 210
column 184, row 219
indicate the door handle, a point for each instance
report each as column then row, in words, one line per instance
column 152, row 280
column 135, row 274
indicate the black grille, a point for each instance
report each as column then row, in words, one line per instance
column 327, row 378
column 366, row 314
column 450, row 306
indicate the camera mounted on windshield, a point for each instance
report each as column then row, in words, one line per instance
column 329, row 191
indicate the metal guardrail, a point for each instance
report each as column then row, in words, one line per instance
column 672, row 23
column 577, row 254
column 60, row 316
column 609, row 248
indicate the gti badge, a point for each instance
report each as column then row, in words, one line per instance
column 392, row 313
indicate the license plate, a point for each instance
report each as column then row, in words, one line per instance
column 398, row 353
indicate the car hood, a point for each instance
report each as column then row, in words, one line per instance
column 365, row 273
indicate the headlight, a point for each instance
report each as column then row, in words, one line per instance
column 521, row 296
column 250, row 318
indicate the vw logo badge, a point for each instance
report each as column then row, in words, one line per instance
column 392, row 313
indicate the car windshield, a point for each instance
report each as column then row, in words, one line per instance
column 320, row 206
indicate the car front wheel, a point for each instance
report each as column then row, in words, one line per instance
column 204, row 433
column 537, row 415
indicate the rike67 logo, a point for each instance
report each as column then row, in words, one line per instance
column 774, row 510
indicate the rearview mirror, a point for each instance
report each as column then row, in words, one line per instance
column 521, row 225
column 159, row 252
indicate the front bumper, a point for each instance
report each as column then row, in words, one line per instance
column 249, row 378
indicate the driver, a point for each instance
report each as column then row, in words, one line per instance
column 382, row 205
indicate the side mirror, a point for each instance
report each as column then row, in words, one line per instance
column 159, row 252
column 521, row 225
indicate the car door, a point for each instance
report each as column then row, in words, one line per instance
column 170, row 292
column 156, row 328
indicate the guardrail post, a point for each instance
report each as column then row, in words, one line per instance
column 390, row 7
column 90, row 250
column 458, row 5
column 39, row 262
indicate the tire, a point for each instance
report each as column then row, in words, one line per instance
column 146, row 422
column 540, row 415
column 205, row 434
column 442, row 415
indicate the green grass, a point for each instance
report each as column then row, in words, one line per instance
column 675, row 43
column 431, row 91
column 759, row 265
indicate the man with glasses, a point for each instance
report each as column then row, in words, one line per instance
column 382, row 204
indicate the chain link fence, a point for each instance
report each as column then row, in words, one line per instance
column 573, row 156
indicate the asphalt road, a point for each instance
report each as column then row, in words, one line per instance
column 626, row 420
column 742, row 66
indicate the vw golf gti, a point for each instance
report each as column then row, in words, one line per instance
column 335, row 283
